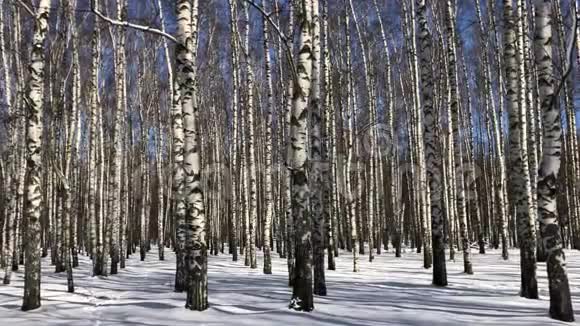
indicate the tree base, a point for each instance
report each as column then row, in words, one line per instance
column 320, row 290
column 31, row 302
column 197, row 295
column 302, row 296
column 467, row 268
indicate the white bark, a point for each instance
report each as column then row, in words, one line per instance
column 34, row 127
column 560, row 300
column 458, row 171
column 432, row 145
column 268, row 161
column 302, row 298
column 518, row 157
column 252, row 173
column 196, row 246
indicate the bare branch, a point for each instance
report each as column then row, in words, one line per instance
column 569, row 56
column 267, row 16
column 147, row 29
column 26, row 7
column 285, row 40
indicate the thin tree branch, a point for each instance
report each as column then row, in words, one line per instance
column 26, row 7
column 569, row 57
column 2, row 170
column 147, row 29
column 285, row 41
column 267, row 16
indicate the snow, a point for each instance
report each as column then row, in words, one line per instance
column 388, row 291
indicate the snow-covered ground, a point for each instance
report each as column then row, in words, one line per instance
column 388, row 291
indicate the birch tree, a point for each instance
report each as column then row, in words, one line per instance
column 302, row 298
column 179, row 208
column 458, row 171
column 252, row 169
column 9, row 167
column 431, row 145
column 236, row 205
column 560, row 299
column 117, row 152
column 268, row 161
column 71, row 143
column 34, row 127
column 196, row 246
column 316, row 194
column 519, row 171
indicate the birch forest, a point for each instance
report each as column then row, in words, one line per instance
column 389, row 162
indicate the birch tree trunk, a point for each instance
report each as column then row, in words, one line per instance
column 196, row 246
column 371, row 133
column 571, row 137
column 252, row 173
column 419, row 169
column 519, row 171
column 93, row 150
column 125, row 199
column 302, row 298
column 316, row 184
column 32, row 197
column 332, row 212
column 458, row 157
column 71, row 144
column 144, row 176
column 268, row 161
column 431, row 145
column 527, row 224
column 10, row 167
column 290, row 245
column 560, row 300
column 178, row 179
column 349, row 191
column 18, row 218
column 501, row 182
column 101, row 257
column 117, row 152
column 236, row 201
column 527, row 73
column 390, row 137
column 160, row 186
column 173, row 106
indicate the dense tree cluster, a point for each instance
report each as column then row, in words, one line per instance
column 301, row 128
